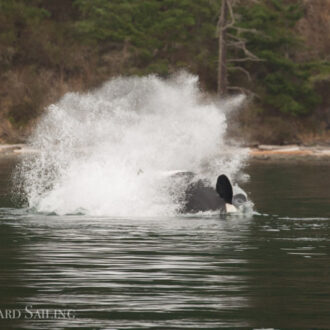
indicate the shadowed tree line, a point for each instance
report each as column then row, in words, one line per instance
column 50, row 47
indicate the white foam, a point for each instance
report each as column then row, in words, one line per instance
column 103, row 152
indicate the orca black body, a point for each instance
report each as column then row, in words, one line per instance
column 200, row 196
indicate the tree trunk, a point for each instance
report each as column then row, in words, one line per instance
column 222, row 65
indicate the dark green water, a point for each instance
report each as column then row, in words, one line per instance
column 261, row 271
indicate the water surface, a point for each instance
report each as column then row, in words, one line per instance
column 270, row 269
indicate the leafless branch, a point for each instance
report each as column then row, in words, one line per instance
column 228, row 3
column 247, row 52
column 232, row 16
column 241, row 44
column 238, row 39
column 246, row 72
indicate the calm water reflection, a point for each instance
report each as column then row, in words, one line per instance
column 269, row 270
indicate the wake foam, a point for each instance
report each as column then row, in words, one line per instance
column 110, row 151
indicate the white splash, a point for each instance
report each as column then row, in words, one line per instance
column 105, row 152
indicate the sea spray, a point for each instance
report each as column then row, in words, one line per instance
column 110, row 151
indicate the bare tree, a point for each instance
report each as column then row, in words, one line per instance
column 222, row 57
column 226, row 23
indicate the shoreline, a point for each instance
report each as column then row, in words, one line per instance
column 258, row 153
column 290, row 153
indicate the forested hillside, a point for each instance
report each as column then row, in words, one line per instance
column 278, row 53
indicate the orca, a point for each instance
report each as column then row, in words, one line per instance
column 200, row 196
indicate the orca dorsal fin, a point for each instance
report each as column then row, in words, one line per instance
column 225, row 189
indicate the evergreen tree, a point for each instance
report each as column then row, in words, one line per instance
column 281, row 82
column 163, row 35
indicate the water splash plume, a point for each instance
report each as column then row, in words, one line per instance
column 110, row 151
